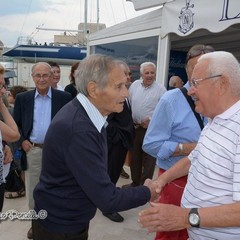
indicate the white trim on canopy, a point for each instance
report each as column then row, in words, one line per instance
column 144, row 4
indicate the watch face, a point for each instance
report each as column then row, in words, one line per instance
column 194, row 219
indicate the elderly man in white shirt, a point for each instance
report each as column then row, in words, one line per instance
column 144, row 95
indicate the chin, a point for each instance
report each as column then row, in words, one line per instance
column 118, row 110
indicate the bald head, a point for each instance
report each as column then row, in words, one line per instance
column 175, row 82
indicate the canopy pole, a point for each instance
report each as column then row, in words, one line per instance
column 163, row 59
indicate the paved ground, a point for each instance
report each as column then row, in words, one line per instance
column 101, row 228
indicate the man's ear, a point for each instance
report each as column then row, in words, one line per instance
column 224, row 84
column 91, row 89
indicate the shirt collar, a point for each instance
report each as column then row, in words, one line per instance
column 96, row 117
column 49, row 94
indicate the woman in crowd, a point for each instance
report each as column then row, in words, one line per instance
column 8, row 132
column 71, row 88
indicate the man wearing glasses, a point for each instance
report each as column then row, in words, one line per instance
column 211, row 199
column 33, row 112
column 172, row 134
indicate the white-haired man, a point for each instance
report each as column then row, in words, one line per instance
column 144, row 95
column 210, row 207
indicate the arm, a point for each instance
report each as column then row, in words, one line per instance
column 8, row 128
column 185, row 149
column 179, row 169
column 166, row 217
column 168, row 128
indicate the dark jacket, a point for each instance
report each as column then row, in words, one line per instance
column 120, row 127
column 24, row 109
column 74, row 181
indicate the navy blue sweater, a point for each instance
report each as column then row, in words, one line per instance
column 74, row 181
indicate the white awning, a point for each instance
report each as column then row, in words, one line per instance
column 183, row 17
column 144, row 4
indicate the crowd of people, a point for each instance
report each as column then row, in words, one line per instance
column 74, row 142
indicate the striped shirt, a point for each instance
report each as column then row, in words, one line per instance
column 214, row 175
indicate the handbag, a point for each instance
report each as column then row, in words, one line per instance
column 192, row 105
column 14, row 182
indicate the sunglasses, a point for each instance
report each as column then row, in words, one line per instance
column 198, row 50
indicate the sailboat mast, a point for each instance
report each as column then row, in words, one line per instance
column 97, row 15
column 85, row 21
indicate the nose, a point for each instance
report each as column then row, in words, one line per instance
column 191, row 91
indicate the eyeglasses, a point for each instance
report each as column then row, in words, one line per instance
column 195, row 82
column 39, row 76
column 3, row 85
column 198, row 50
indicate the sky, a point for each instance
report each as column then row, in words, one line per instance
column 20, row 18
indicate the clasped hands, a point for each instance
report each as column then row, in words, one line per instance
column 161, row 217
column 154, row 187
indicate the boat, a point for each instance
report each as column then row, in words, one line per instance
column 62, row 54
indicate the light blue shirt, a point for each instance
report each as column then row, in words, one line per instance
column 41, row 116
column 96, row 117
column 173, row 122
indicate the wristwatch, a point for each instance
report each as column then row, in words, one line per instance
column 194, row 218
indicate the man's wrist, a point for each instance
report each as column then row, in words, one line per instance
column 180, row 146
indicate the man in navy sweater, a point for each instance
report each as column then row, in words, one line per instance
column 74, row 181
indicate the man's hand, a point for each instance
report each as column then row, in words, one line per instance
column 164, row 217
column 8, row 157
column 26, row 146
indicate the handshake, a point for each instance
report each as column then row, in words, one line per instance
column 155, row 188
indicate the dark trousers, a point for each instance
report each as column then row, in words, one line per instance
column 41, row 233
column 116, row 158
column 2, row 189
column 142, row 165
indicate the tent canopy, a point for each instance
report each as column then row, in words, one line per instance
column 179, row 24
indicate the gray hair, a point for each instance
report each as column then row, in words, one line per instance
column 226, row 64
column 124, row 65
column 41, row 63
column 146, row 64
column 94, row 68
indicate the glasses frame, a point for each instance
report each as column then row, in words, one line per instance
column 195, row 82
column 39, row 76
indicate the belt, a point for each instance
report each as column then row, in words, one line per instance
column 40, row 145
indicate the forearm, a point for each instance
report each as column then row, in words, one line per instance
column 186, row 149
column 168, row 217
column 178, row 170
column 8, row 127
column 7, row 117
column 220, row 216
